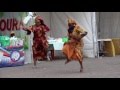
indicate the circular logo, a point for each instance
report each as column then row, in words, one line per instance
column 15, row 56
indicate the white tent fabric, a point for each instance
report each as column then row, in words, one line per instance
column 109, row 24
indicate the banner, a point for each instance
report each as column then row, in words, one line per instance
column 11, row 20
column 11, row 56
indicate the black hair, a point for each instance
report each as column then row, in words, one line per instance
column 13, row 34
column 42, row 22
column 28, row 32
column 71, row 28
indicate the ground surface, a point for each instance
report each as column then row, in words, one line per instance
column 107, row 67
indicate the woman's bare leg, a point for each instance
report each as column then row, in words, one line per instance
column 67, row 60
column 81, row 66
column 35, row 62
column 34, row 59
column 81, row 62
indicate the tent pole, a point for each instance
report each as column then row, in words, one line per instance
column 50, row 22
column 97, row 34
column 92, row 33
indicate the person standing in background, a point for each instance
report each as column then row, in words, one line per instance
column 28, row 21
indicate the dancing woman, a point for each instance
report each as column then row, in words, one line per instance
column 40, row 43
column 73, row 48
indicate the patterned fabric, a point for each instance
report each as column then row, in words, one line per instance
column 40, row 43
column 73, row 50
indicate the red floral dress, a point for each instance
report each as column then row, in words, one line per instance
column 40, row 43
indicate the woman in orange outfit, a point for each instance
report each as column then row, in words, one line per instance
column 73, row 48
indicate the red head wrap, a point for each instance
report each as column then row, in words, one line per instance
column 42, row 22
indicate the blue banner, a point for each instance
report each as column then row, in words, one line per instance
column 11, row 56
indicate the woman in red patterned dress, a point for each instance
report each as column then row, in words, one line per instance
column 40, row 43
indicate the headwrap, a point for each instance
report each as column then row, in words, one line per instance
column 42, row 22
column 38, row 18
column 71, row 22
column 78, row 32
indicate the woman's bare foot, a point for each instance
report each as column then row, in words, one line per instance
column 66, row 62
column 40, row 59
column 35, row 63
column 81, row 70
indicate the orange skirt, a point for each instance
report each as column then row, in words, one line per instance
column 73, row 51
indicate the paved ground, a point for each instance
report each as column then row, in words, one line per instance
column 107, row 67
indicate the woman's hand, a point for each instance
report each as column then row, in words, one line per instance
column 27, row 29
column 84, row 34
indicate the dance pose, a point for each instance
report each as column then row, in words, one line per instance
column 73, row 48
column 40, row 43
